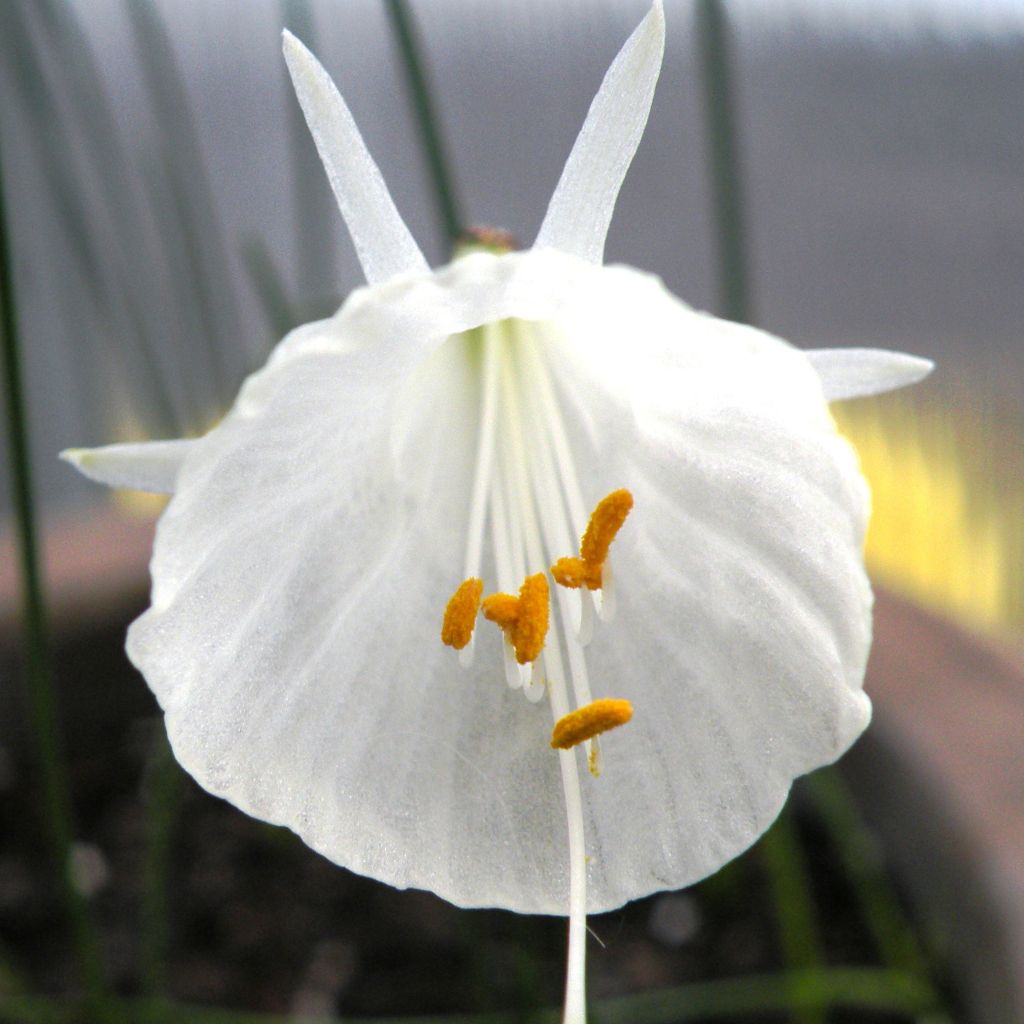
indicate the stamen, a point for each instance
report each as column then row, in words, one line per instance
column 460, row 614
column 609, row 515
column 513, row 670
column 607, row 606
column 523, row 619
column 490, row 335
column 575, row 1010
column 589, row 721
column 585, row 632
column 549, row 487
column 607, row 519
column 535, row 688
column 556, row 434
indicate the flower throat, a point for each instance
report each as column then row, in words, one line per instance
column 525, row 487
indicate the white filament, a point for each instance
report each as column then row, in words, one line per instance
column 503, row 540
column 567, row 475
column 586, row 628
column 535, row 689
column 490, row 336
column 575, row 999
column 604, row 599
column 513, row 676
column 525, row 487
column 588, row 600
column 490, row 340
column 553, row 518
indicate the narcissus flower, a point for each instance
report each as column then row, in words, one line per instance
column 457, row 461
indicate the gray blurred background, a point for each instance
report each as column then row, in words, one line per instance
column 169, row 215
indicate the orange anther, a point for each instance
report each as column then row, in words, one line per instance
column 604, row 524
column 502, row 609
column 523, row 619
column 460, row 614
column 574, row 572
column 589, row 721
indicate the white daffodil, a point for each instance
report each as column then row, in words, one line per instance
column 429, row 459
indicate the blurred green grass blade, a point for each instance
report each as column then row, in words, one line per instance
column 37, row 1010
column 861, row 859
column 727, row 891
column 131, row 259
column 783, row 856
column 749, row 999
column 199, row 285
column 487, row 959
column 427, row 120
column 131, row 212
column 162, row 788
column 172, row 416
column 186, row 172
column 11, row 981
column 754, row 996
column 24, row 64
column 279, row 311
column 40, row 685
column 527, row 972
column 714, row 56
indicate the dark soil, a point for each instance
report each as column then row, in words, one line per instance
column 253, row 919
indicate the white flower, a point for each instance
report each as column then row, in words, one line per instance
column 463, row 423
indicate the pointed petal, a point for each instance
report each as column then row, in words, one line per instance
column 581, row 208
column 383, row 242
column 858, row 372
column 147, row 466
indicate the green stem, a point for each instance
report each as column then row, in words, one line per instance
column 723, row 160
column 427, row 121
column 38, row 669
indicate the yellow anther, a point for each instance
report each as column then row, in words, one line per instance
column 608, row 517
column 460, row 615
column 589, row 721
column 523, row 619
